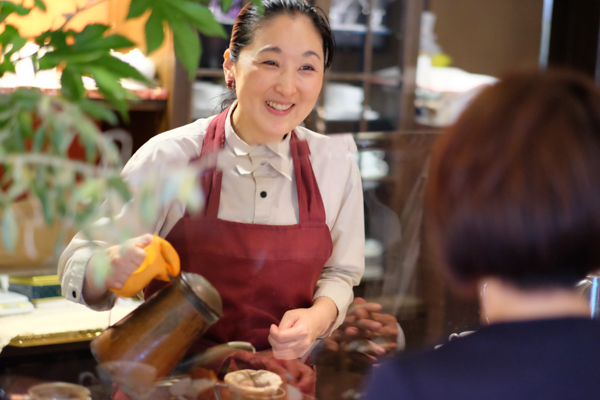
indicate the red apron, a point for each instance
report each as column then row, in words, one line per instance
column 260, row 271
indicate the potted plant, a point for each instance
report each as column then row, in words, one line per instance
column 38, row 130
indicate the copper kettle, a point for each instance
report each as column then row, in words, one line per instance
column 143, row 348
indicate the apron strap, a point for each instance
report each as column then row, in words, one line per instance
column 214, row 140
column 310, row 203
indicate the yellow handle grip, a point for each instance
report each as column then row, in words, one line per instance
column 161, row 262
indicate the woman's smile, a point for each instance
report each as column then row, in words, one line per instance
column 279, row 108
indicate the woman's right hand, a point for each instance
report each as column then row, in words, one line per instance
column 122, row 261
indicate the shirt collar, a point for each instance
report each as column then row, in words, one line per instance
column 278, row 153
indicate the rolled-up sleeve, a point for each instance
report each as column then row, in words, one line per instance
column 71, row 272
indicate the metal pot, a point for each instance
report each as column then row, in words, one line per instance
column 143, row 348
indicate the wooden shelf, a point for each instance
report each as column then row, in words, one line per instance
column 148, row 105
column 362, row 77
column 141, row 105
column 332, row 76
column 209, row 73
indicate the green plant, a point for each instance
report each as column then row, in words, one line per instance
column 37, row 130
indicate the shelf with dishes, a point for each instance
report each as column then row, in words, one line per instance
column 349, row 106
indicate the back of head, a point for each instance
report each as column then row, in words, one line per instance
column 514, row 184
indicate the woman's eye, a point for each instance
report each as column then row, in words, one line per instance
column 307, row 68
column 269, row 63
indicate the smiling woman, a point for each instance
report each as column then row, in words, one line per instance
column 282, row 235
column 277, row 64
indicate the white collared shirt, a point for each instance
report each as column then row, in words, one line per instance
column 249, row 171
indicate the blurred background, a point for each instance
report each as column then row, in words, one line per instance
column 403, row 70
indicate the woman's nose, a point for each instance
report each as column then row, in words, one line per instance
column 286, row 84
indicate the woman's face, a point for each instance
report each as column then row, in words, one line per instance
column 278, row 78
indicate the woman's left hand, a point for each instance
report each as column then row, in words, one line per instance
column 299, row 328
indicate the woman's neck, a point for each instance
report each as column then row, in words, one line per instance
column 503, row 302
column 247, row 132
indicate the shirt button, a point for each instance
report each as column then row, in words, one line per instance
column 263, row 194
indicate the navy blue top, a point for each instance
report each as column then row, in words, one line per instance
column 544, row 359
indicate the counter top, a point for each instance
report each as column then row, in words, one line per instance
column 59, row 321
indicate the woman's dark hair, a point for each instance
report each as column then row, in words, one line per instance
column 249, row 20
column 513, row 189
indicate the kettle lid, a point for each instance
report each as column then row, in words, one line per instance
column 205, row 293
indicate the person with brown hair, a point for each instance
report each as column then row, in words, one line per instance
column 513, row 197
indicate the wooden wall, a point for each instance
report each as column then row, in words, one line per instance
column 489, row 36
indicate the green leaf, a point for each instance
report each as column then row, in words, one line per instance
column 88, row 133
column 41, row 38
column 8, row 34
column 40, row 4
column 69, row 55
column 58, row 39
column 25, row 123
column 17, row 44
column 120, row 187
column 110, row 88
column 187, row 46
column 17, row 189
column 38, row 186
column 6, row 113
column 225, row 5
column 91, row 32
column 6, row 66
column 61, row 141
column 38, row 139
column 47, row 62
column 154, row 31
column 97, row 111
column 103, row 43
column 25, row 98
column 8, row 7
column 18, row 137
column 121, row 68
column 11, row 37
column 72, row 84
column 10, row 229
column 90, row 191
column 138, row 7
column 61, row 206
column 201, row 17
column 47, row 206
column 114, row 42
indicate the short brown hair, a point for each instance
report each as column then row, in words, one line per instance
column 514, row 185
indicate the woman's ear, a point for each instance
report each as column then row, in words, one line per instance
column 228, row 66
